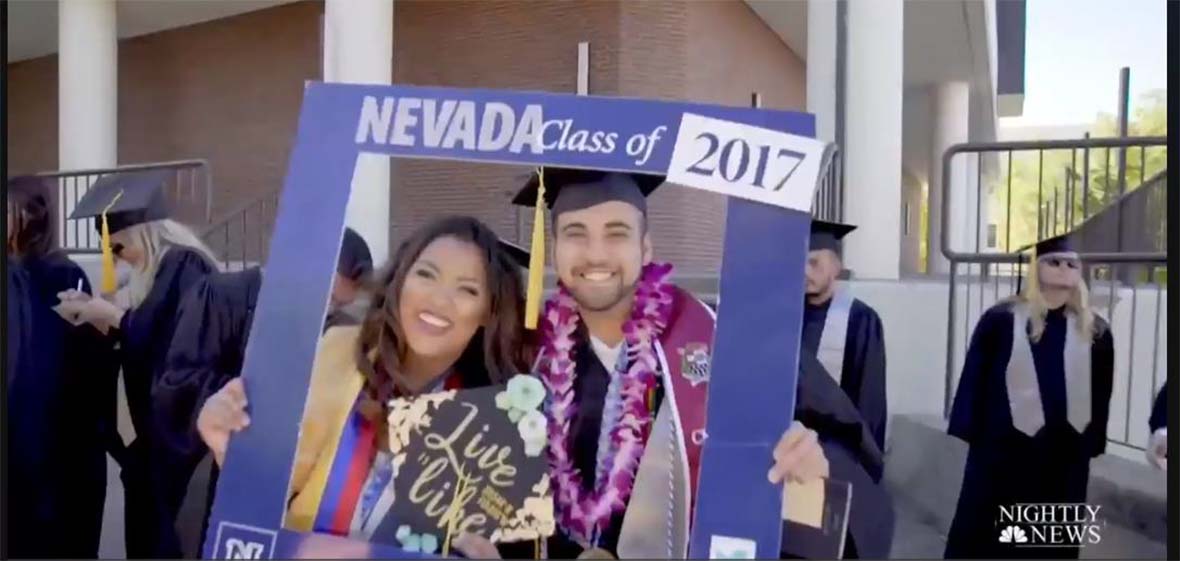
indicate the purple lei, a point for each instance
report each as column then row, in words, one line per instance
column 584, row 515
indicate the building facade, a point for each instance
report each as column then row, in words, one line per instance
column 98, row 83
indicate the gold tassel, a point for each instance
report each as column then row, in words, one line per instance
column 108, row 255
column 532, row 307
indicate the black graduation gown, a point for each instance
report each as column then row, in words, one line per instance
column 208, row 348
column 863, row 376
column 1159, row 411
column 1005, row 466
column 853, row 456
column 62, row 409
column 154, row 476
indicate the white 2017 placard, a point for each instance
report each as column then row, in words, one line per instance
column 746, row 161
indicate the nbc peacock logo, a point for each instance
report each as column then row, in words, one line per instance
column 1013, row 534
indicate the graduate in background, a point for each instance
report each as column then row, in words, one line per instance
column 1157, row 448
column 1032, row 404
column 844, row 333
column 62, row 393
column 353, row 268
column 166, row 260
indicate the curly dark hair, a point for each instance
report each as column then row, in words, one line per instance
column 496, row 351
column 32, row 235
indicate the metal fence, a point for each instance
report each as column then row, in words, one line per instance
column 242, row 239
column 1116, row 213
column 189, row 190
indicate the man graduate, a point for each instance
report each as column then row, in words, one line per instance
column 624, row 355
column 844, row 333
column 1032, row 404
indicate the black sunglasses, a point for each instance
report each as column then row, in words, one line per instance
column 117, row 248
column 1066, row 261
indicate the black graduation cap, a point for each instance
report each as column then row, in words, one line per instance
column 1062, row 243
column 518, row 254
column 575, row 189
column 569, row 189
column 355, row 259
column 128, row 198
column 828, row 235
column 1055, row 244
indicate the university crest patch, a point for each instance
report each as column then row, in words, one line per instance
column 694, row 363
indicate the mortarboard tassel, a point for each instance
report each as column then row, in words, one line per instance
column 532, row 306
column 108, row 255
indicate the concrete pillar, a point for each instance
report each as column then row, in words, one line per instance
column 358, row 48
column 87, row 97
column 951, row 120
column 873, row 138
column 821, row 67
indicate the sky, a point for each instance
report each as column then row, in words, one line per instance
column 1074, row 50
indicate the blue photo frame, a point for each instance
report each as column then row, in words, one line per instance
column 764, row 160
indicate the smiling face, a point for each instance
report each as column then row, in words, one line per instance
column 444, row 300
column 599, row 253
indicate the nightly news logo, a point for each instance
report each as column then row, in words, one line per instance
column 1049, row 525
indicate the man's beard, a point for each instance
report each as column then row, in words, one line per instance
column 602, row 303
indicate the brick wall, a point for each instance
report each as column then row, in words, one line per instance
column 229, row 91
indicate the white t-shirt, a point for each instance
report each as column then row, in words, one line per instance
column 607, row 355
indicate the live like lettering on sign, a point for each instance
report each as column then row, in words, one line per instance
column 474, row 464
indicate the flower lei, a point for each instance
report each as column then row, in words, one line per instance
column 585, row 515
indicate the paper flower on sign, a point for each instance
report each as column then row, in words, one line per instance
column 532, row 427
column 421, row 543
column 523, row 395
column 525, row 392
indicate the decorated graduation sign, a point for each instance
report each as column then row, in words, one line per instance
column 470, row 461
column 762, row 160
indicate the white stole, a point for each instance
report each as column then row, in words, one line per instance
column 831, row 342
column 1024, row 391
column 655, row 525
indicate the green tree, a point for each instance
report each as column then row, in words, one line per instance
column 1049, row 192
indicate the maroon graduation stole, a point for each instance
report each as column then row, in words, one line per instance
column 687, row 343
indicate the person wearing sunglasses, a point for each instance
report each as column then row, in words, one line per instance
column 1032, row 404
column 166, row 259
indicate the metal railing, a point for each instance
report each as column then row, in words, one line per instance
column 1126, row 276
column 242, row 238
column 189, row 190
column 829, row 194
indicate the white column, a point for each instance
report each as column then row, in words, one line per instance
column 87, row 94
column 821, row 67
column 358, row 48
column 951, row 121
column 873, row 136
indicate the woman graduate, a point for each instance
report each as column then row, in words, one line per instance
column 1032, row 403
column 448, row 316
column 62, row 400
column 166, row 259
